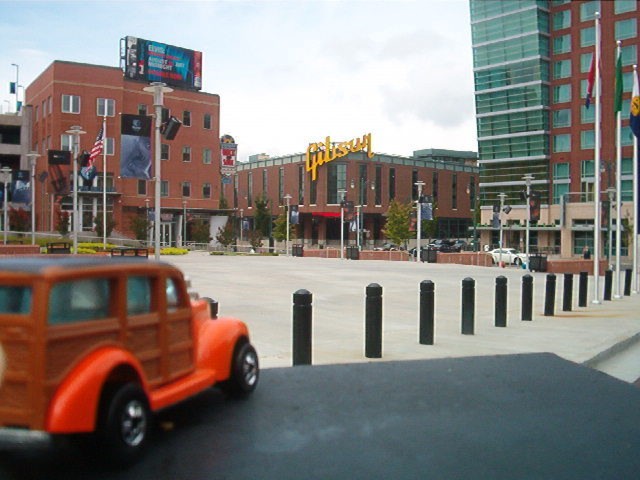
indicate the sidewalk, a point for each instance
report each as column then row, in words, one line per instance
column 259, row 290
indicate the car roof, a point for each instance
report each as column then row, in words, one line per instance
column 40, row 264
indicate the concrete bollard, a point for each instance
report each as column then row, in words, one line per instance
column 501, row 302
column 468, row 305
column 550, row 295
column 427, row 320
column 567, row 292
column 302, row 313
column 582, row 289
column 527, row 298
column 608, row 282
column 373, row 321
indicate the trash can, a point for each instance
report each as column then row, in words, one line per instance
column 352, row 252
column 538, row 263
column 297, row 249
column 432, row 255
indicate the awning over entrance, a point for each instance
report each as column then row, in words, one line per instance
column 326, row 214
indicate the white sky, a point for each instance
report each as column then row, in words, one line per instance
column 288, row 72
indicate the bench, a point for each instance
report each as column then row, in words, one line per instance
column 130, row 252
column 58, row 247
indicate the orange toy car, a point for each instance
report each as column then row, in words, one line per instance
column 97, row 344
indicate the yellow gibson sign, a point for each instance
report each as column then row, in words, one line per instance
column 320, row 153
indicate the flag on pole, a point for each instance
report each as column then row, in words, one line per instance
column 634, row 113
column 617, row 106
column 590, row 81
column 97, row 147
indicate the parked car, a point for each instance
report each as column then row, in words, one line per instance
column 441, row 245
column 413, row 251
column 509, row 256
column 388, row 247
column 96, row 345
column 453, row 246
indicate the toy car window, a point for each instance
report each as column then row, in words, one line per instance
column 173, row 298
column 79, row 300
column 15, row 300
column 138, row 295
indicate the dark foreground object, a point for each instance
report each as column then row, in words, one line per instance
column 518, row 416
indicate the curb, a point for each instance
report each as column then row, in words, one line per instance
column 612, row 351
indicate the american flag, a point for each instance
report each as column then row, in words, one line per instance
column 97, row 147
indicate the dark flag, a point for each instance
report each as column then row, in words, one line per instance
column 135, row 161
column 58, row 176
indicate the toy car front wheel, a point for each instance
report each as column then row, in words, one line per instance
column 517, row 261
column 125, row 424
column 245, row 371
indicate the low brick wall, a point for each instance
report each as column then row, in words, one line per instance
column 364, row 254
column 574, row 266
column 19, row 249
column 482, row 259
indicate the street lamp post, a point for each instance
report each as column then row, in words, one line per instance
column 342, row 193
column 527, row 178
column 76, row 131
column 184, row 223
column 5, row 177
column 419, row 184
column 33, row 157
column 611, row 192
column 287, row 197
column 241, row 223
column 502, row 197
column 158, row 89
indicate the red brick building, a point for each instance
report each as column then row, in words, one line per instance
column 68, row 94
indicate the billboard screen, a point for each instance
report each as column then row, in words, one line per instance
column 158, row 62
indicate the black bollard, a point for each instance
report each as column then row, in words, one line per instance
column 582, row 289
column 373, row 321
column 468, row 305
column 550, row 295
column 302, row 312
column 627, row 281
column 427, row 322
column 527, row 297
column 501, row 302
column 567, row 292
column 608, row 281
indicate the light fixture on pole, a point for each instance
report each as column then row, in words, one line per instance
column 5, row 178
column 342, row 193
column 527, row 178
column 33, row 158
column 419, row 184
column 16, row 85
column 158, row 89
column 287, row 197
column 76, row 131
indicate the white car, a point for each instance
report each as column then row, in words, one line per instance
column 510, row 256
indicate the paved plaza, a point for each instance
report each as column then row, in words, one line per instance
column 260, row 290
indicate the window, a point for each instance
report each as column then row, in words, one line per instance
column 66, row 142
column 454, row 191
column 392, row 183
column 249, row 189
column 362, row 185
column 37, row 113
column 562, row 143
column 138, row 295
column 629, row 55
column 559, row 191
column 70, row 104
column 106, row 107
column 173, row 294
column 587, row 115
column 264, row 183
column 280, row 185
column 50, row 109
column 336, row 182
column 623, row 6
column 625, row 29
column 142, row 109
column 186, row 153
column 588, row 10
column 562, row 44
column 15, row 300
column 206, row 156
column 561, row 171
column 164, row 151
column 626, row 136
column 164, row 188
column 562, row 19
column 186, row 189
column 562, row 93
column 588, row 37
column 587, row 139
column 301, row 174
column 109, row 145
column 206, row 190
column 562, row 69
column 79, row 300
column 313, row 192
column 585, row 62
column 142, row 187
column 434, row 186
column 562, row 118
column 207, row 121
column 378, row 185
column 186, row 118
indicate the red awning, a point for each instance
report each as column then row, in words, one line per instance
column 326, row 214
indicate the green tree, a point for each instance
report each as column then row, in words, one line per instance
column 200, row 231
column 62, row 222
column 223, row 204
column 262, row 217
column 19, row 220
column 397, row 228
column 226, row 235
column 111, row 224
column 140, row 225
column 255, row 239
column 280, row 228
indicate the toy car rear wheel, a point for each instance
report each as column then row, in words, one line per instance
column 125, row 424
column 517, row 261
column 245, row 371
